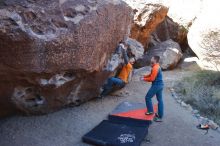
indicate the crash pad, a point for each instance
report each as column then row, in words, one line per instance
column 127, row 125
column 133, row 111
column 109, row 133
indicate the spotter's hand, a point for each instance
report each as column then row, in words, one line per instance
column 142, row 78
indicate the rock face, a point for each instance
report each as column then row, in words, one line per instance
column 147, row 16
column 146, row 22
column 168, row 29
column 53, row 53
column 135, row 48
column 169, row 52
column 204, row 36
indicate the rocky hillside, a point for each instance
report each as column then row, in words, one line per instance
column 56, row 53
column 191, row 24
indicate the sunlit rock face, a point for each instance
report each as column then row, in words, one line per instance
column 181, row 13
column 147, row 17
column 55, row 52
column 147, row 21
column 204, row 36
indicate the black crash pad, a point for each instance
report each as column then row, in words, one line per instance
column 118, row 133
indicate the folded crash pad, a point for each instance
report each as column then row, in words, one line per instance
column 127, row 125
column 132, row 111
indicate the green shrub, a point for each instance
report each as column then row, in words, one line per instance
column 202, row 91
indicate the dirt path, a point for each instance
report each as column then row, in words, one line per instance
column 66, row 127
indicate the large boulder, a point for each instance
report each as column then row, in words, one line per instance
column 175, row 26
column 169, row 29
column 147, row 17
column 169, row 52
column 56, row 52
column 204, row 36
column 153, row 23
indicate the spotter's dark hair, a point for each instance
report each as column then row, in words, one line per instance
column 157, row 58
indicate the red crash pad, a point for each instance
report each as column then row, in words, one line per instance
column 138, row 114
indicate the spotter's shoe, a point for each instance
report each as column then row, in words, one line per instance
column 149, row 113
column 157, row 119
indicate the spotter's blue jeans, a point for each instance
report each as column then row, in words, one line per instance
column 158, row 91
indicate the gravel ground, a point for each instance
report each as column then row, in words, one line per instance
column 66, row 127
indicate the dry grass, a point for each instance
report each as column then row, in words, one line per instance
column 202, row 91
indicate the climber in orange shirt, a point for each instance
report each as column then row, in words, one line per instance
column 122, row 78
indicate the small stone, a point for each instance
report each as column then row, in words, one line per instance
column 197, row 115
column 183, row 104
column 174, row 97
column 190, row 108
column 13, row 137
column 127, row 92
column 213, row 125
column 195, row 112
column 179, row 101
